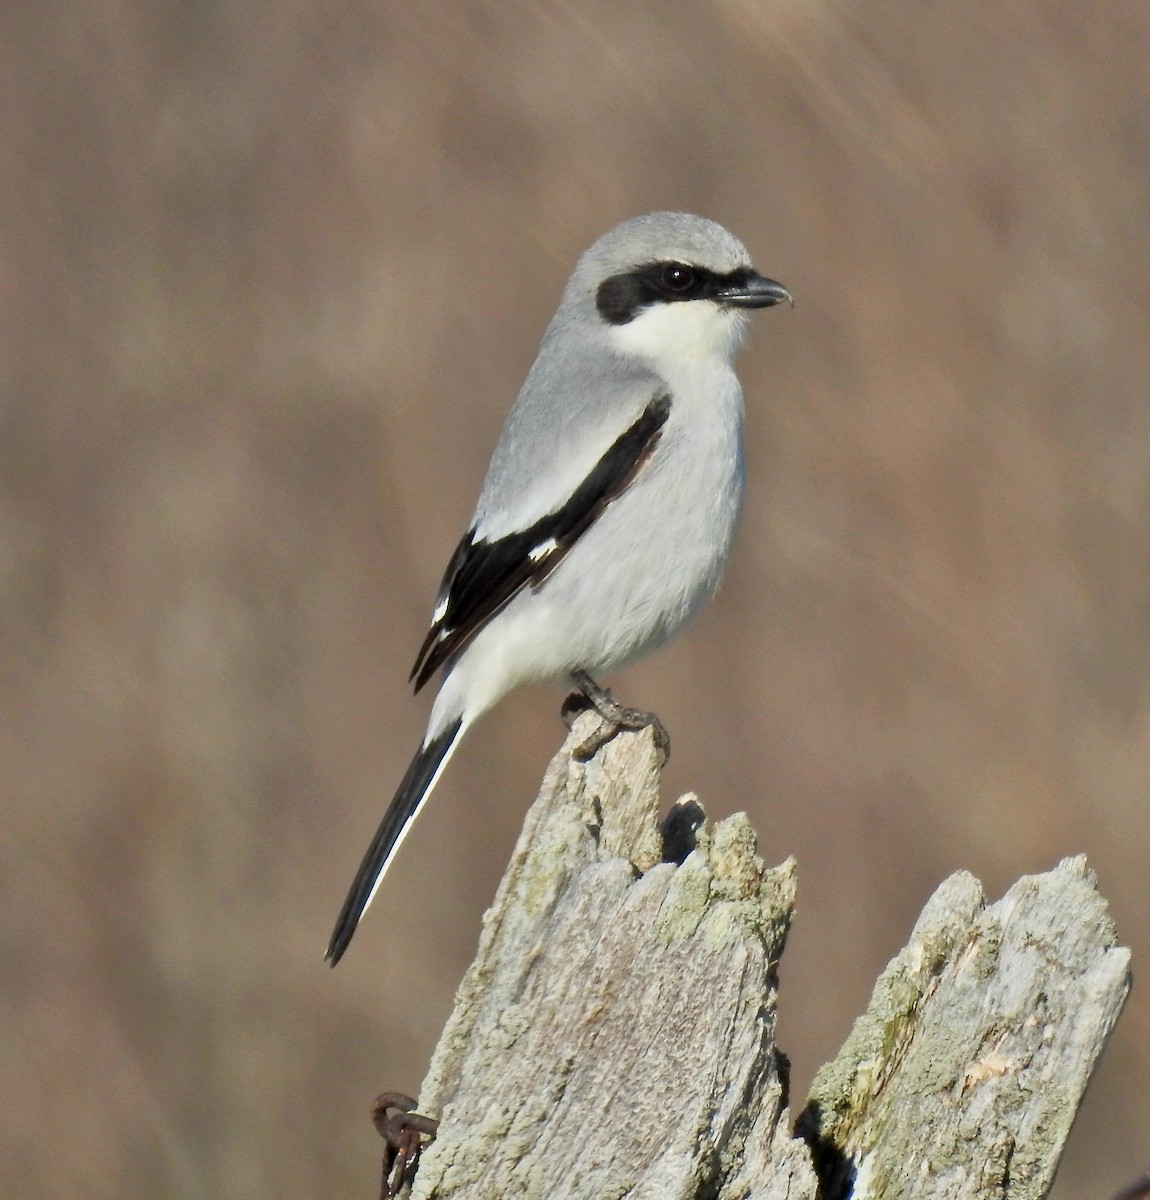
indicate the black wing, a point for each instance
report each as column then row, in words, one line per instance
column 484, row 576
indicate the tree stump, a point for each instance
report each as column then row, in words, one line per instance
column 614, row 1036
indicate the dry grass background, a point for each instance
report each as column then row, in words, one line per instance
column 272, row 273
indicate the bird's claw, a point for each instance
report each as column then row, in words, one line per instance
column 613, row 718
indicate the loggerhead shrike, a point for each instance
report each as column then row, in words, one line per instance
column 609, row 506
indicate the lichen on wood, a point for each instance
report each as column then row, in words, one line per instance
column 614, row 1036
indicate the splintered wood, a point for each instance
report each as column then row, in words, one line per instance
column 615, row 1035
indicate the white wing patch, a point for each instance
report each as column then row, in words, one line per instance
column 543, row 550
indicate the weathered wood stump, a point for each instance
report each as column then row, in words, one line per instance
column 615, row 1035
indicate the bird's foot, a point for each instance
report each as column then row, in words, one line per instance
column 613, row 717
column 403, row 1134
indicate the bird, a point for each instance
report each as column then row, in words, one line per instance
column 608, row 509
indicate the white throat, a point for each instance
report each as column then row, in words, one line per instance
column 690, row 331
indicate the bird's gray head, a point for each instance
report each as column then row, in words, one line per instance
column 670, row 285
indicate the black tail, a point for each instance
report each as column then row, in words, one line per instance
column 418, row 781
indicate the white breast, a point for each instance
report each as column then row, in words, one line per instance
column 644, row 567
column 659, row 550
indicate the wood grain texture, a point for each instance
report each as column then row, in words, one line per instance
column 615, row 1035
column 968, row 1067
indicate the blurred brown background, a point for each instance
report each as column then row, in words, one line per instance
column 272, row 273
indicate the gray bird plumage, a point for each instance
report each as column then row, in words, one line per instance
column 612, row 496
column 580, row 388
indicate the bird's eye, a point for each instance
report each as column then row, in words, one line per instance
column 679, row 279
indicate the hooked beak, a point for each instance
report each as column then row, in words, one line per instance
column 756, row 291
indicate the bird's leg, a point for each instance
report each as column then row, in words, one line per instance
column 614, row 717
column 403, row 1133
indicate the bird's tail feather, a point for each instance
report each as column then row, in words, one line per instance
column 421, row 777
